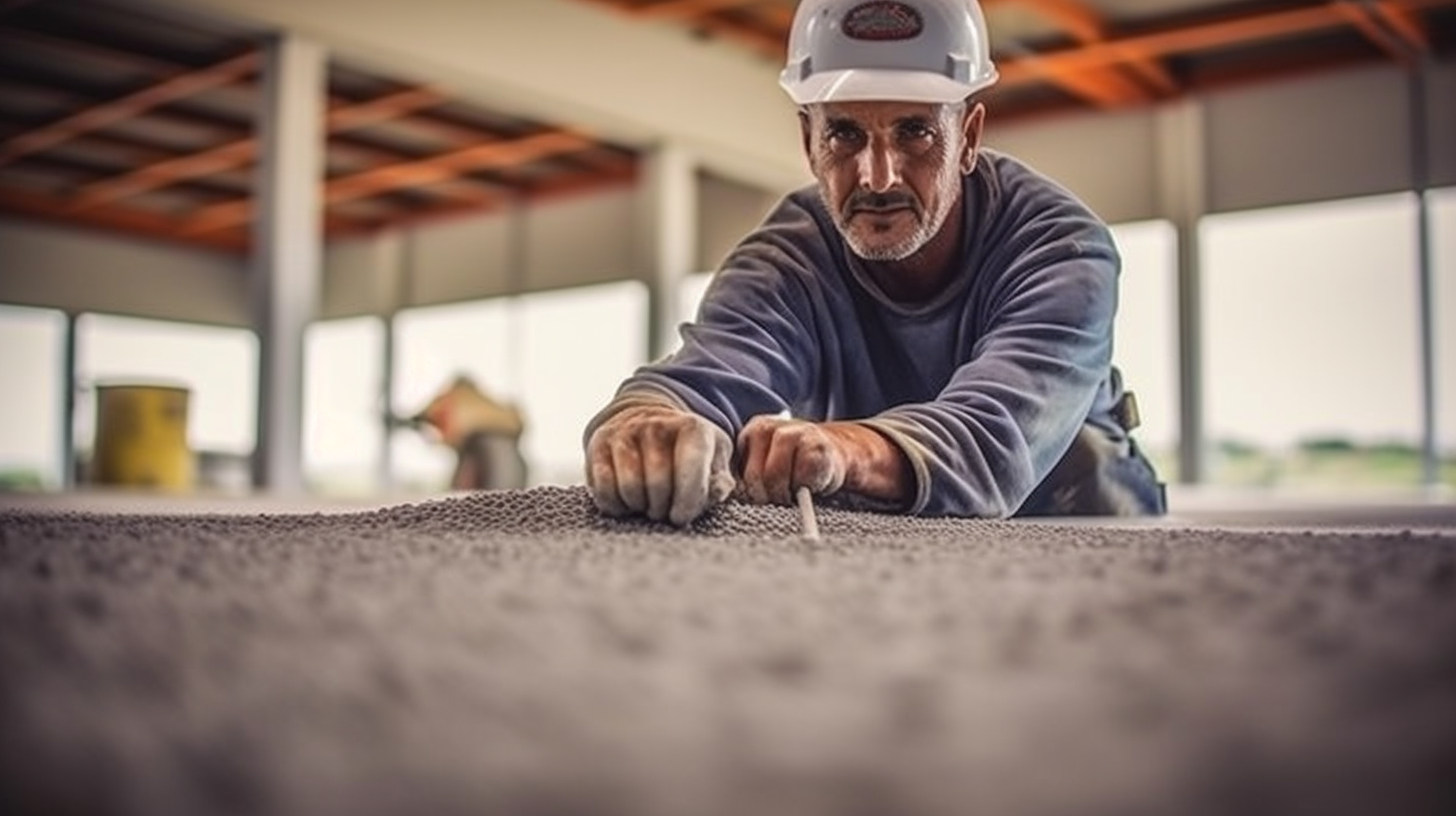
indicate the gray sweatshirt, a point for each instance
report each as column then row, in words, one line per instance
column 983, row 387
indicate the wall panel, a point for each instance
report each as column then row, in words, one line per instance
column 1108, row 160
column 1334, row 135
column 581, row 241
column 1441, row 121
column 461, row 259
column 727, row 212
column 85, row 270
column 361, row 276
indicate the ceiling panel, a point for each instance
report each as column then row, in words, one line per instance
column 96, row 133
column 1111, row 54
column 93, row 128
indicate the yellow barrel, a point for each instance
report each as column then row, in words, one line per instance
column 141, row 437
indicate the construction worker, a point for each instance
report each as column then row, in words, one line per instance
column 927, row 331
column 484, row 433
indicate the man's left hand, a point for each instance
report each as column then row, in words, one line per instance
column 778, row 456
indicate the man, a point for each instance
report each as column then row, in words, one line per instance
column 484, row 433
column 928, row 332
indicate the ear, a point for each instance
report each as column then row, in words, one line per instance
column 806, row 128
column 973, row 126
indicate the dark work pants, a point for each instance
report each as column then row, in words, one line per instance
column 1099, row 475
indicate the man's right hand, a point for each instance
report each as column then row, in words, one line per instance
column 660, row 461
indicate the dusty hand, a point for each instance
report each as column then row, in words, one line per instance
column 778, row 456
column 660, row 461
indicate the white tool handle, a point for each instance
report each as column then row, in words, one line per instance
column 806, row 514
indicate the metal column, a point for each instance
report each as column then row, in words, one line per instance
column 670, row 231
column 1183, row 184
column 1420, row 182
column 395, row 253
column 69, row 386
column 287, row 251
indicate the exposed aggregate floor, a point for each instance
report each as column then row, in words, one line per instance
column 514, row 652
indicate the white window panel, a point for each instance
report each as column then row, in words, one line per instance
column 1443, row 239
column 577, row 347
column 218, row 365
column 343, row 431
column 1310, row 321
column 433, row 345
column 1145, row 334
column 690, row 293
column 32, row 348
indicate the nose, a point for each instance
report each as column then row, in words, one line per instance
column 879, row 168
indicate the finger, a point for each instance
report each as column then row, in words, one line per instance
column 692, row 463
column 778, row 466
column 627, row 464
column 601, row 478
column 753, row 445
column 657, row 468
column 721, row 481
column 814, row 464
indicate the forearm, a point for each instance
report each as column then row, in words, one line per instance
column 876, row 467
column 956, row 467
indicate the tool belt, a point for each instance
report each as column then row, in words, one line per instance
column 1125, row 410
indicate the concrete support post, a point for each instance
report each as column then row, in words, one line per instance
column 287, row 250
column 69, row 385
column 1425, row 271
column 517, row 274
column 1183, row 194
column 670, row 237
column 395, row 260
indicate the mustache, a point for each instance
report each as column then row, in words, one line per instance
column 864, row 200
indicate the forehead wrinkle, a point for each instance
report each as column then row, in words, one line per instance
column 870, row 119
column 840, row 120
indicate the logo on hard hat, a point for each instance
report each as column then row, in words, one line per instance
column 882, row 20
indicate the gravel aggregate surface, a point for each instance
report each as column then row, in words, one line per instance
column 514, row 652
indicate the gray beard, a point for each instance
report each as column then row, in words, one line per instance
column 894, row 252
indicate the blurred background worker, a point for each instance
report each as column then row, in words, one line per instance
column 929, row 331
column 485, row 435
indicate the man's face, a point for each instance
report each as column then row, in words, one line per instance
column 890, row 172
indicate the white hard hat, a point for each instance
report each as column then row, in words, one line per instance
column 893, row 50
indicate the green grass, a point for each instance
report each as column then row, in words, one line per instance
column 1323, row 465
column 18, row 480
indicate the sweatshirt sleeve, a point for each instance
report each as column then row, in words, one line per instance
column 1008, row 414
column 751, row 349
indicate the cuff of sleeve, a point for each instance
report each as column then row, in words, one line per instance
column 917, row 456
column 635, row 397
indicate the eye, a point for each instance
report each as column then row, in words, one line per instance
column 915, row 131
column 843, row 135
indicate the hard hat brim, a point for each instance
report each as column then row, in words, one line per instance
column 879, row 85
